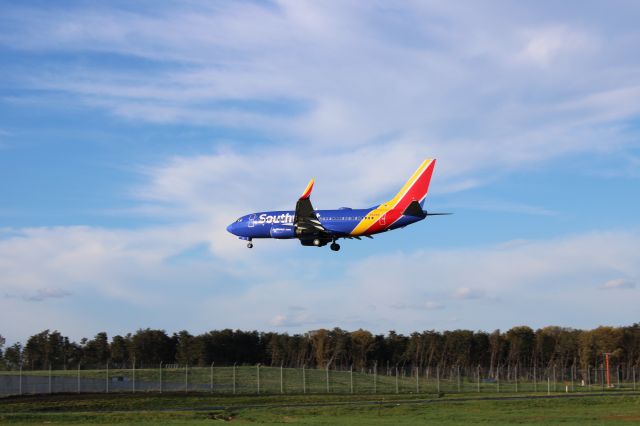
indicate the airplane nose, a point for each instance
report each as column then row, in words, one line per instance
column 231, row 228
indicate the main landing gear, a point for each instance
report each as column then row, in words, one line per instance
column 334, row 246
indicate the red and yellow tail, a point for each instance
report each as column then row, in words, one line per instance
column 387, row 213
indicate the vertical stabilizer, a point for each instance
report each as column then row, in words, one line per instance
column 415, row 190
column 416, row 187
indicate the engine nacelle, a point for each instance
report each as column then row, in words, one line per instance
column 282, row 231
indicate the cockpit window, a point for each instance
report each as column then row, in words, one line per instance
column 239, row 220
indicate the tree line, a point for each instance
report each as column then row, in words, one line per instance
column 520, row 346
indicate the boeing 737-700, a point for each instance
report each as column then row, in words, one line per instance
column 320, row 227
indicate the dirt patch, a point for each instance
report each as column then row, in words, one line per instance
column 631, row 418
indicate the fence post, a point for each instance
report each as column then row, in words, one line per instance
column 160, row 376
column 548, row 384
column 281, row 377
column 535, row 379
column 396, row 379
column 234, row 378
column 633, row 371
column 258, row 376
column 50, row 390
column 78, row 377
column 304, row 380
column 107, row 383
column 588, row 377
column 515, row 375
column 498, row 377
column 327, row 377
column 572, row 375
column 438, row 378
column 478, row 371
column 186, row 377
column 20, row 382
column 213, row 362
column 417, row 379
column 375, row 377
column 618, row 376
column 555, row 382
column 458, row 368
column 351, row 378
column 133, row 367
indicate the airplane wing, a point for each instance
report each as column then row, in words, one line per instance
column 306, row 221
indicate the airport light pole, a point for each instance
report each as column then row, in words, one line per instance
column 607, row 372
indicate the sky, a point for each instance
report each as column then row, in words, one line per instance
column 133, row 133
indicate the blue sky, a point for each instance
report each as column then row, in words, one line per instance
column 132, row 134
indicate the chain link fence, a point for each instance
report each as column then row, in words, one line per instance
column 260, row 379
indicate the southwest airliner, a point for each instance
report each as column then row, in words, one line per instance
column 320, row 227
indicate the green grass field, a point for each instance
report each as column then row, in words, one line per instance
column 196, row 409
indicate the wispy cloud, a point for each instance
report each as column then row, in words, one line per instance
column 618, row 284
column 428, row 305
column 40, row 294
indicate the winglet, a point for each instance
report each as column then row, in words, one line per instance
column 307, row 191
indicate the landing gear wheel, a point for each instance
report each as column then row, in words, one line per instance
column 316, row 242
column 335, row 246
column 249, row 245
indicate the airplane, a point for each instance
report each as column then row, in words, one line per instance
column 321, row 227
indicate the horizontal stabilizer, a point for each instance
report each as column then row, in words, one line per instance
column 414, row 209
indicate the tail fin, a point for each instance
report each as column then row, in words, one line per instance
column 307, row 192
column 416, row 187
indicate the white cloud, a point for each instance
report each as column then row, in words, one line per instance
column 545, row 45
column 469, row 293
column 142, row 272
column 617, row 284
column 456, row 84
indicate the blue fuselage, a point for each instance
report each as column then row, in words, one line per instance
column 279, row 224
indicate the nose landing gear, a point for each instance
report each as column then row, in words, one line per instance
column 334, row 246
column 249, row 245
